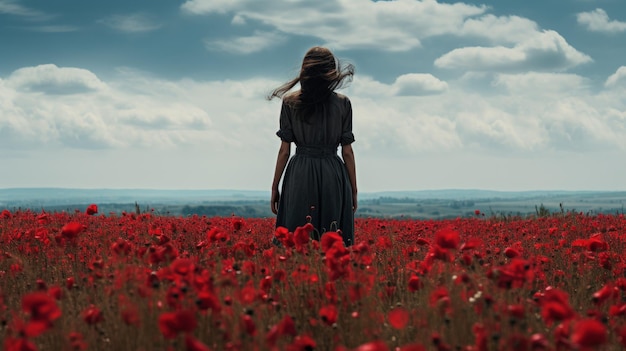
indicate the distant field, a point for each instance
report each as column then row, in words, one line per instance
column 438, row 208
column 255, row 204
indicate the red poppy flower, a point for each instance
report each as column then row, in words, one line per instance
column 92, row 209
column 398, row 317
column 412, row 347
column 43, row 218
column 302, row 236
column 373, row 346
column 18, row 344
column 77, row 342
column 192, row 344
column 511, row 252
column 122, row 247
column 516, row 311
column 41, row 307
column 207, row 300
column 285, row 327
column 589, row 333
column 556, row 311
column 555, row 306
column 422, row 242
column 440, row 296
column 480, row 336
column 55, row 292
column 517, row 342
column 302, row 343
column 447, row 238
column 328, row 314
column 248, row 325
column 172, row 323
column 72, row 229
column 329, row 239
column 607, row 291
column 41, row 285
column 248, row 294
column 415, row 283
column 182, row 266
column 130, row 315
column 237, row 223
column 539, row 342
column 92, row 315
column 470, row 244
column 215, row 234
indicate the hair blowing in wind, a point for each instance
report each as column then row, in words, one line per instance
column 320, row 75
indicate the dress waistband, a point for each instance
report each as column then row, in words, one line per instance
column 317, row 150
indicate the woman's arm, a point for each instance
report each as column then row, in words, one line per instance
column 281, row 162
column 348, row 157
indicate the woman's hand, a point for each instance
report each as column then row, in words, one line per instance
column 281, row 163
column 274, row 201
column 354, row 202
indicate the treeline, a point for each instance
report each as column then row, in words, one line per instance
column 455, row 204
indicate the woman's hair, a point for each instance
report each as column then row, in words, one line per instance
column 320, row 75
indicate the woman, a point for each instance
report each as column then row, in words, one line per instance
column 317, row 186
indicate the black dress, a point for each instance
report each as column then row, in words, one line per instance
column 316, row 181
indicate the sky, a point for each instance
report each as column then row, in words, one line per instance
column 162, row 94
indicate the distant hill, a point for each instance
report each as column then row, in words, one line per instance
column 475, row 194
column 66, row 195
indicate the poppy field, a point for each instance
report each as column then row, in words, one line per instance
column 140, row 281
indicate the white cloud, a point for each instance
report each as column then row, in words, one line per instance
column 617, row 79
column 418, row 84
column 47, row 106
column 598, row 21
column 574, row 124
column 543, row 84
column 499, row 29
column 410, row 84
column 131, row 23
column 238, row 21
column 53, row 29
column 11, row 7
column 491, row 127
column 247, row 45
column 51, row 79
column 344, row 24
column 523, row 114
column 545, row 50
column 214, row 6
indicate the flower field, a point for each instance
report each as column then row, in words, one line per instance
column 138, row 281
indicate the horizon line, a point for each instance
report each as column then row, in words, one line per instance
column 259, row 190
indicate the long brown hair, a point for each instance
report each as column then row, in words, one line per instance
column 320, row 75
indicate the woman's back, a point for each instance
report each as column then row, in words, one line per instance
column 329, row 125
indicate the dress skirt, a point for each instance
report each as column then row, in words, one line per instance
column 316, row 184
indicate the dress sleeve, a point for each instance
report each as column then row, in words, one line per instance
column 285, row 133
column 347, row 137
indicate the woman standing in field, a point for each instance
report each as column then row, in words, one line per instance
column 317, row 186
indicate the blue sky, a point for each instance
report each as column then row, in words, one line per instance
column 502, row 95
